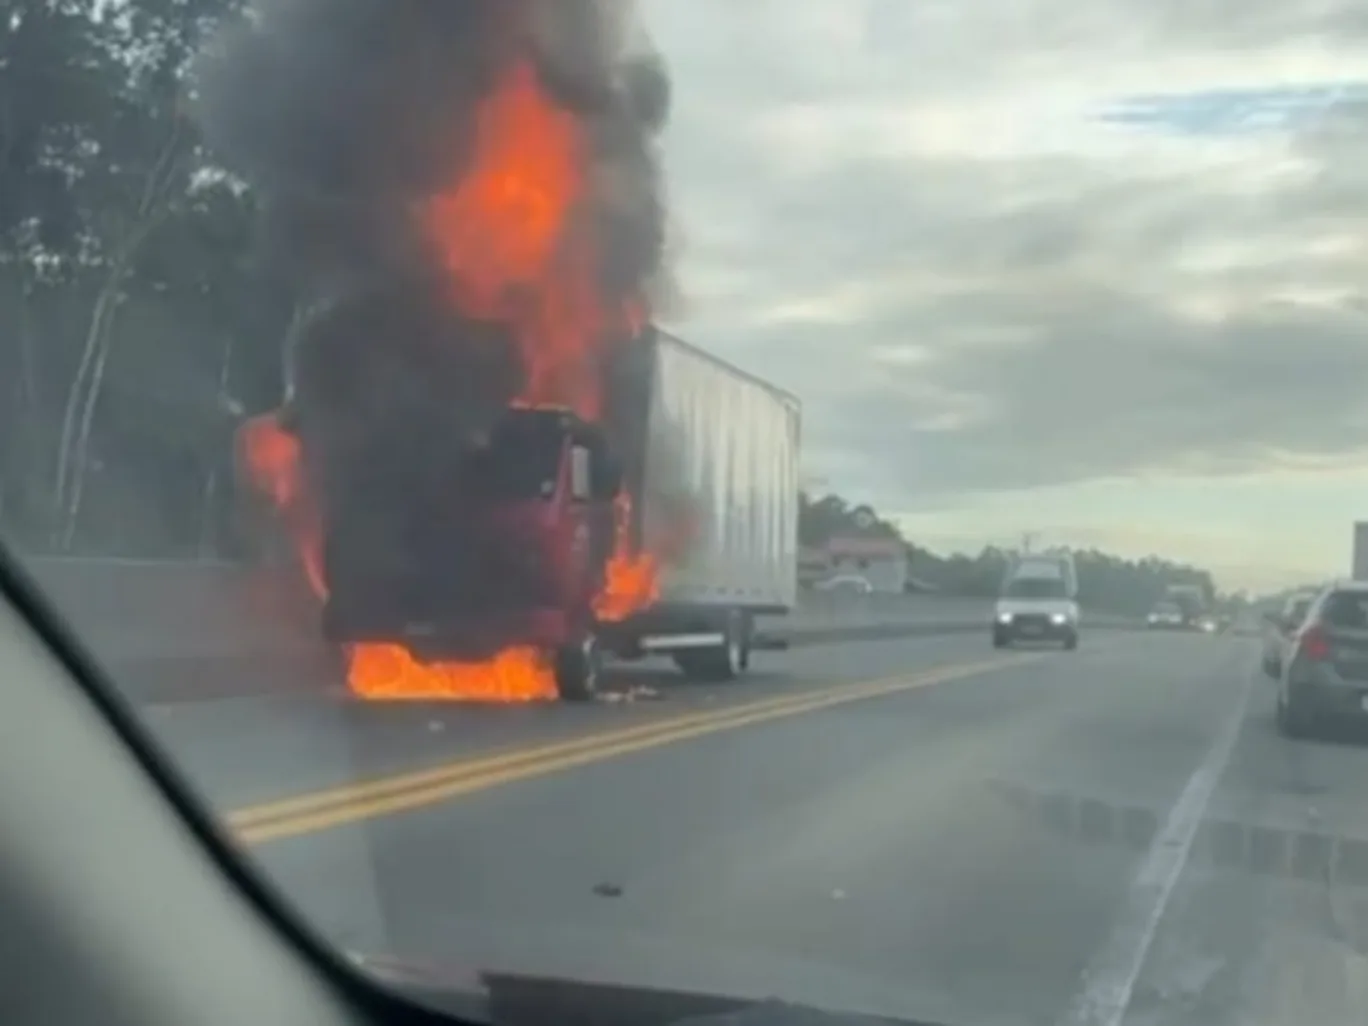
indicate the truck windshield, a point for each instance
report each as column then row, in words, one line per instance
column 521, row 459
column 1035, row 587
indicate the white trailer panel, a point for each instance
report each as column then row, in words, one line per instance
column 729, row 444
column 1360, row 557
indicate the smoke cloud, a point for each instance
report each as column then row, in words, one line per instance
column 348, row 116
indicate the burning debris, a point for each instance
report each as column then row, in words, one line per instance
column 467, row 192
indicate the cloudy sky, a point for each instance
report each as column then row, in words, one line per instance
column 1092, row 268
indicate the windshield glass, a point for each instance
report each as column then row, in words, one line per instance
column 549, row 473
column 1035, row 587
column 519, row 460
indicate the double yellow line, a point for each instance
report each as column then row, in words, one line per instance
column 321, row 810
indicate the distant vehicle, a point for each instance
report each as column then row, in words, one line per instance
column 1194, row 602
column 1166, row 616
column 1282, row 628
column 852, row 583
column 1036, row 606
column 1324, row 672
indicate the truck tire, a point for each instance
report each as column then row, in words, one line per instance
column 747, row 626
column 727, row 661
column 577, row 670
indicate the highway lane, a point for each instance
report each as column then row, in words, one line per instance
column 1007, row 847
column 1270, row 922
column 244, row 751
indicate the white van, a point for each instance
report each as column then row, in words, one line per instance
column 1038, row 602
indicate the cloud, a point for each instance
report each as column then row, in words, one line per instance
column 922, row 219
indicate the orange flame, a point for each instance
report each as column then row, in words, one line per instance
column 390, row 672
column 631, row 579
column 273, row 463
column 517, row 249
column 509, row 242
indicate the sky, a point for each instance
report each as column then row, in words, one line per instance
column 1094, row 270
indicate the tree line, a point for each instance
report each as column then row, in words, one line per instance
column 141, row 328
column 1105, row 581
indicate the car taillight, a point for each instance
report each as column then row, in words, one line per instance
column 1313, row 643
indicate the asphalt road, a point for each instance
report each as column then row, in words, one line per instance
column 1114, row 835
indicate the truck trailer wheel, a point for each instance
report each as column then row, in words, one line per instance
column 577, row 670
column 725, row 662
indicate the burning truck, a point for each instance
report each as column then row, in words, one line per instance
column 508, row 564
column 494, row 466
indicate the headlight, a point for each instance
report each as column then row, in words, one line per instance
column 1058, row 618
column 1004, row 617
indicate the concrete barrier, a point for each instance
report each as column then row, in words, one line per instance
column 186, row 631
column 178, row 631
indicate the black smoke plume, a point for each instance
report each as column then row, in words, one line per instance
column 345, row 115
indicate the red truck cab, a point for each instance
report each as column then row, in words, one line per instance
column 502, row 544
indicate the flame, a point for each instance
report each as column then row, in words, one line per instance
column 508, row 237
column 631, row 579
column 390, row 672
column 517, row 247
column 273, row 463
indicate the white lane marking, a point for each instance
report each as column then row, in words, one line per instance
column 1109, row 980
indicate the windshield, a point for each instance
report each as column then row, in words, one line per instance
column 520, row 458
column 1035, row 587
column 549, row 473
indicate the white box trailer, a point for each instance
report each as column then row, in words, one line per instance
column 723, row 445
column 1359, row 566
column 731, row 441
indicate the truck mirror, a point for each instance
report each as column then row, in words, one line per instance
column 579, row 473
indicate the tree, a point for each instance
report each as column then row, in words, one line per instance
column 831, row 516
column 145, row 327
column 54, row 98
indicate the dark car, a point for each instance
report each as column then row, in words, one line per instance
column 1282, row 630
column 1325, row 672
